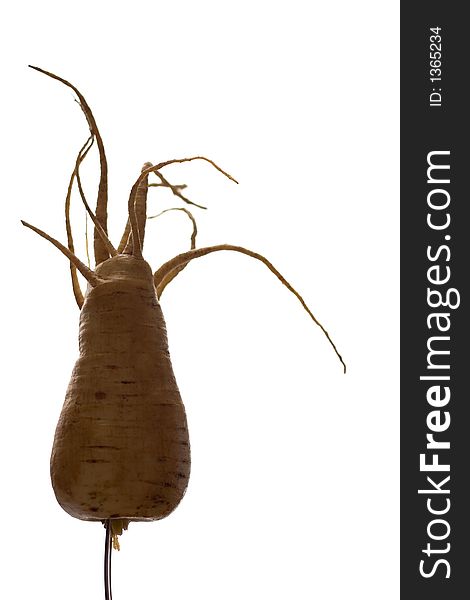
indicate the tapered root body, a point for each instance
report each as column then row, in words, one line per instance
column 121, row 448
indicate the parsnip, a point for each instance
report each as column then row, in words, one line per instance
column 121, row 449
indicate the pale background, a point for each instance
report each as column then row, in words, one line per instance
column 294, row 487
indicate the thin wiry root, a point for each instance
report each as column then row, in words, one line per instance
column 182, row 160
column 176, row 190
column 137, row 242
column 180, row 186
column 76, row 175
column 73, row 270
column 183, row 259
column 101, row 232
column 193, row 221
column 89, row 275
column 177, row 270
column 125, row 239
column 101, row 252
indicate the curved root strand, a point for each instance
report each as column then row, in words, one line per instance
column 161, row 278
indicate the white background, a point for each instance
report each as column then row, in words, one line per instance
column 294, row 487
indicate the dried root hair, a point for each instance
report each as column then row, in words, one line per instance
column 133, row 236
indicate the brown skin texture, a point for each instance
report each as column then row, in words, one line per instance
column 121, row 448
